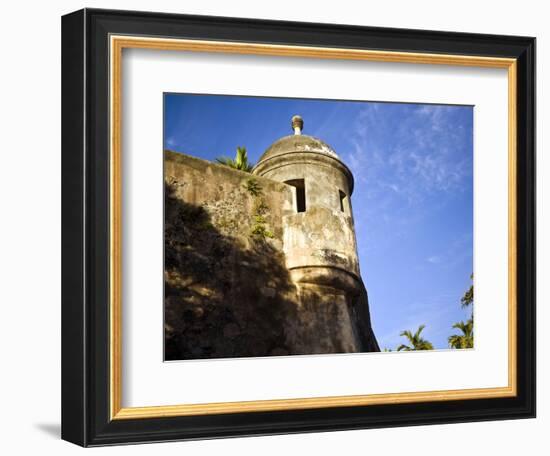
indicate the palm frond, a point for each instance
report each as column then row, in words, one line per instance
column 226, row 161
column 240, row 162
column 241, row 158
column 416, row 342
column 468, row 298
column 419, row 330
column 464, row 340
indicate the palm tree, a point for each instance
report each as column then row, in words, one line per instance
column 416, row 342
column 466, row 339
column 240, row 162
column 468, row 298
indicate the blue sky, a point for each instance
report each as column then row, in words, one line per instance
column 413, row 196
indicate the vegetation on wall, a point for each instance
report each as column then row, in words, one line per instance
column 240, row 161
column 259, row 225
column 253, row 187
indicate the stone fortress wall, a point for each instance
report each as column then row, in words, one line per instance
column 250, row 273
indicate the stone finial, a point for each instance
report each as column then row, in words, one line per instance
column 297, row 125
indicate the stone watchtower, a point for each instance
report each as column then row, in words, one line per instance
column 319, row 245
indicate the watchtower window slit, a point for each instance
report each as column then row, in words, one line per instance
column 300, row 187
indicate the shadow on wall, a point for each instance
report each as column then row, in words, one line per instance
column 360, row 311
column 222, row 298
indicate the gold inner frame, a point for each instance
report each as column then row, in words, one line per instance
column 117, row 44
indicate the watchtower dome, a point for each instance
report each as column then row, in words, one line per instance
column 319, row 237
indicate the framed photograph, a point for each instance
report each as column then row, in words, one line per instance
column 278, row 227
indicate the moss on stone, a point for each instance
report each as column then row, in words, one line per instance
column 253, row 187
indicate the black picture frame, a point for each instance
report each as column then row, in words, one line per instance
column 85, row 224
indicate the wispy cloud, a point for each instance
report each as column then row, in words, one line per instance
column 171, row 141
column 423, row 150
column 458, row 251
column 408, row 160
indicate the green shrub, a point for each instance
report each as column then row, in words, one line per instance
column 253, row 187
column 261, row 231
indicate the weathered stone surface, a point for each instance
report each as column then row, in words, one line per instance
column 225, row 288
column 230, row 238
